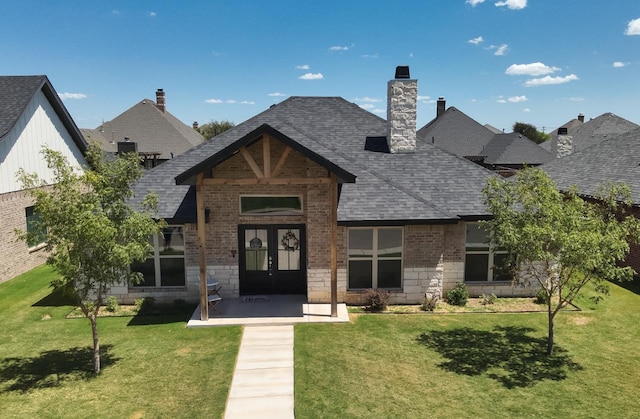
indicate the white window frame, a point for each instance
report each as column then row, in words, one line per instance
column 157, row 256
column 488, row 249
column 374, row 256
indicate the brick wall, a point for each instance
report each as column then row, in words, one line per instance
column 16, row 258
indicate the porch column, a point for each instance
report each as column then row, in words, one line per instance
column 334, row 245
column 202, row 247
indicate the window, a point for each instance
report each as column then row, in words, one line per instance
column 36, row 230
column 375, row 257
column 270, row 205
column 165, row 267
column 483, row 262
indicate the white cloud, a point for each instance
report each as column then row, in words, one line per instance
column 513, row 4
column 367, row 106
column 473, row 3
column 367, row 99
column 526, row 110
column 551, row 80
column 247, row 102
column 633, row 28
column 379, row 110
column 370, row 55
column 619, row 64
column 532, row 69
column 302, row 67
column 311, row 76
column 339, row 48
column 213, row 101
column 65, row 96
column 152, row 14
column 501, row 50
column 476, row 41
column 411, row 55
column 216, row 53
column 517, row 99
column 277, row 94
column 425, row 99
column 576, row 99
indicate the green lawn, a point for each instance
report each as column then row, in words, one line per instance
column 473, row 365
column 378, row 366
column 153, row 367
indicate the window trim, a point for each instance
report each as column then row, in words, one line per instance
column 485, row 248
column 157, row 256
column 42, row 243
column 374, row 258
column 282, row 213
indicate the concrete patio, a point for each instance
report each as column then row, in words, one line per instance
column 268, row 310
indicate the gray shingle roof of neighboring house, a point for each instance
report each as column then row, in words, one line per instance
column 153, row 130
column 615, row 159
column 15, row 94
column 514, row 149
column 593, row 132
column 430, row 185
column 457, row 133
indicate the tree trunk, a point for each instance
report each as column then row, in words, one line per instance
column 550, row 336
column 96, row 344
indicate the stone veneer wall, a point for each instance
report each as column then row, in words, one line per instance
column 16, row 258
column 402, row 96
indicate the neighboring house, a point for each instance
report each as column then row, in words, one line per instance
column 316, row 193
column 147, row 128
column 587, row 134
column 614, row 159
column 457, row 133
column 32, row 116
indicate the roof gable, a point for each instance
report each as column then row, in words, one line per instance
column 514, row 149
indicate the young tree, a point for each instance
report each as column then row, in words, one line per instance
column 213, row 128
column 92, row 235
column 560, row 242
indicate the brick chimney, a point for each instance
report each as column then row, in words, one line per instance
column 441, row 106
column 581, row 117
column 160, row 104
column 564, row 146
column 402, row 98
column 195, row 125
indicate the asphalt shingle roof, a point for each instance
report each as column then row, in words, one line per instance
column 15, row 94
column 592, row 132
column 152, row 129
column 429, row 185
column 614, row 159
column 513, row 149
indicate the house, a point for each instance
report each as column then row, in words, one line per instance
column 320, row 197
column 148, row 128
column 32, row 116
column 587, row 134
column 614, row 159
column 454, row 131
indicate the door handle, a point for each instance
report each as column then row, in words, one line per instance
column 270, row 266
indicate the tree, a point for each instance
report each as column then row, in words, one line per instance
column 531, row 132
column 92, row 234
column 560, row 242
column 213, row 128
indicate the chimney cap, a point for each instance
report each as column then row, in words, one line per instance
column 402, row 72
column 563, row 131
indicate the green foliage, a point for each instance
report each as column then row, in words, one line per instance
column 112, row 304
column 213, row 128
column 92, row 234
column 430, row 302
column 541, row 296
column 562, row 241
column 376, row 299
column 458, row 295
column 488, row 299
column 531, row 132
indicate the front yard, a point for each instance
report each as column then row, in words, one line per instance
column 380, row 365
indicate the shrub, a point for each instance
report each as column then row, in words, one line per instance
column 458, row 295
column 376, row 299
column 488, row 299
column 430, row 302
column 112, row 304
column 541, row 296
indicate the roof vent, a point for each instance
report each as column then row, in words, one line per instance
column 402, row 72
column 563, row 131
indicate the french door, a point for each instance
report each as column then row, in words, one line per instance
column 272, row 259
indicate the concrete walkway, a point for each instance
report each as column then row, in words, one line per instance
column 262, row 384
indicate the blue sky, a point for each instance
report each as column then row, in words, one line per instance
column 499, row 61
